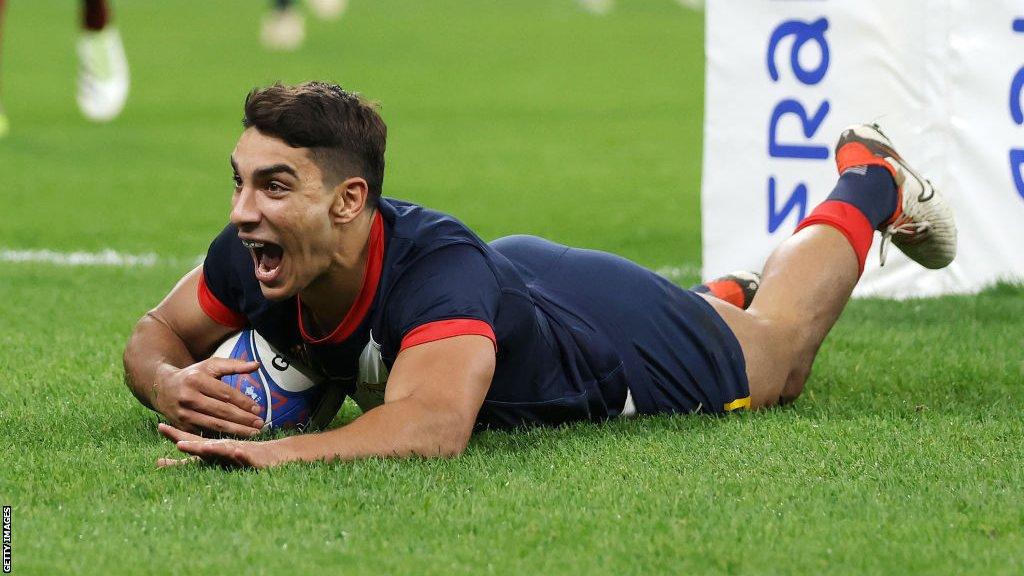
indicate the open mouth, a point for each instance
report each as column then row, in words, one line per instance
column 267, row 257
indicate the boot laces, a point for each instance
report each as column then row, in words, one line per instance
column 902, row 225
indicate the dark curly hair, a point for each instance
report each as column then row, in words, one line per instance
column 344, row 132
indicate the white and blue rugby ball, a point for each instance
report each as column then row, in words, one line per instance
column 288, row 395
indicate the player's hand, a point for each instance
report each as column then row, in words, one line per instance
column 194, row 399
column 223, row 452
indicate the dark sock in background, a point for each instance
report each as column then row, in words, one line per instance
column 95, row 14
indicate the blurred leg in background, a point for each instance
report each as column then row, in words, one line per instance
column 102, row 66
column 4, row 124
column 284, row 26
column 328, row 9
column 599, row 7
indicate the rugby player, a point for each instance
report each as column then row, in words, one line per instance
column 470, row 334
column 284, row 26
column 102, row 66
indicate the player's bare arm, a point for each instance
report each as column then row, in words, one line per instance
column 430, row 408
column 162, row 370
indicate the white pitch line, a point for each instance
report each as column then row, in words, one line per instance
column 692, row 4
column 102, row 258
column 604, row 7
column 681, row 272
column 115, row 259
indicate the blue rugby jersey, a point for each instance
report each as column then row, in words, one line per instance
column 429, row 277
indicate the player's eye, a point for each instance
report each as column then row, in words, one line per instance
column 237, row 180
column 276, row 186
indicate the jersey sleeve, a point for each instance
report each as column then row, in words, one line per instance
column 449, row 292
column 219, row 290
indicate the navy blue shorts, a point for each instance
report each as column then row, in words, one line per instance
column 678, row 355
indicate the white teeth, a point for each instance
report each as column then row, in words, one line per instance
column 252, row 244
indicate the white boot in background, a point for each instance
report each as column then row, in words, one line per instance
column 283, row 30
column 5, row 126
column 599, row 7
column 328, row 9
column 102, row 74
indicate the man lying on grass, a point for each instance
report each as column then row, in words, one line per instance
column 519, row 331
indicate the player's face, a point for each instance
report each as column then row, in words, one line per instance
column 281, row 209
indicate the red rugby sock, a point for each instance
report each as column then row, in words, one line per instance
column 847, row 219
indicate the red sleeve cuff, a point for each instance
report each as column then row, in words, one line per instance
column 442, row 329
column 216, row 309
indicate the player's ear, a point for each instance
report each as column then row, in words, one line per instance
column 349, row 200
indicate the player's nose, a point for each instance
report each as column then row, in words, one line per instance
column 244, row 212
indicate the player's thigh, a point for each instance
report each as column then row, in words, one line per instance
column 767, row 350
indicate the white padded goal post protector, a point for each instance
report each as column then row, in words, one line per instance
column 944, row 79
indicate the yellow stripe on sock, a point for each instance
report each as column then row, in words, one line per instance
column 738, row 403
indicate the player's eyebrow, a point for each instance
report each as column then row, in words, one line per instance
column 267, row 170
column 276, row 168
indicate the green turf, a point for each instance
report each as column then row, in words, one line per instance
column 904, row 456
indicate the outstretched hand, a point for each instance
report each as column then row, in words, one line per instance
column 222, row 452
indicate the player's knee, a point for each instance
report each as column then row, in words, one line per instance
column 800, row 370
column 795, row 382
column 778, row 351
column 787, row 363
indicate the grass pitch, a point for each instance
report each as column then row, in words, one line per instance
column 903, row 456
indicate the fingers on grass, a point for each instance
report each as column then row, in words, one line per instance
column 243, row 458
column 169, row 462
column 196, row 448
column 221, row 452
column 176, row 434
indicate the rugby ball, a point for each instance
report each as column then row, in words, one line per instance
column 288, row 394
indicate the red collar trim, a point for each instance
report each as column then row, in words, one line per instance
column 371, row 279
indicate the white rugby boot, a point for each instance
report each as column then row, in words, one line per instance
column 283, row 30
column 102, row 74
column 598, row 7
column 5, row 125
column 922, row 227
column 328, row 9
